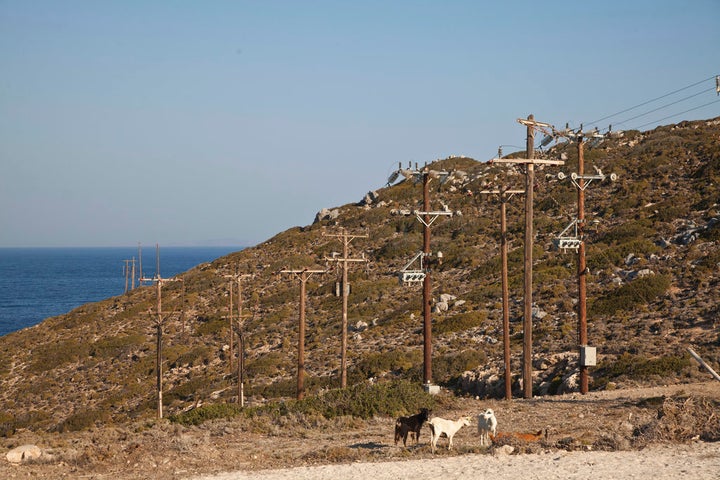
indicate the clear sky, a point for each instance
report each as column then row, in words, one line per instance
column 205, row 122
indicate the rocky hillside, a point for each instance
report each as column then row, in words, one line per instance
column 653, row 250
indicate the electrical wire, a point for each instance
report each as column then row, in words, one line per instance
column 665, row 106
column 651, row 101
column 676, row 114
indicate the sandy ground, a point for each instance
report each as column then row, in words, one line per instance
column 696, row 461
column 588, row 437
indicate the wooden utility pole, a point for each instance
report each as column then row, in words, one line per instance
column 582, row 267
column 129, row 270
column 427, row 218
column 303, row 275
column 586, row 353
column 505, row 196
column 345, row 238
column 241, row 339
column 159, row 281
column 529, row 163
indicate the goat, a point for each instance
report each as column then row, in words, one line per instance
column 440, row 426
column 524, row 437
column 487, row 426
column 411, row 424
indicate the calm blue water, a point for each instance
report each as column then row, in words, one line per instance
column 37, row 283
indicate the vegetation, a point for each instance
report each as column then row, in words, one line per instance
column 104, row 353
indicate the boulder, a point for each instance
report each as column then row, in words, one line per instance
column 440, row 307
column 369, row 198
column 23, row 453
column 327, row 214
column 447, row 298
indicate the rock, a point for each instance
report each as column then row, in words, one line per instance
column 504, row 450
column 631, row 259
column 570, row 383
column 447, row 298
column 361, row 326
column 440, row 307
column 326, row 214
column 369, row 198
column 23, row 453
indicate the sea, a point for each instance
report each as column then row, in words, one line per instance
column 37, row 283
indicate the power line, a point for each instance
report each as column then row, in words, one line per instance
column 665, row 106
column 676, row 114
column 651, row 101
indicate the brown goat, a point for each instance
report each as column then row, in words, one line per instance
column 411, row 424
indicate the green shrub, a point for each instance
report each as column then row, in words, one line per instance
column 204, row 413
column 637, row 368
column 449, row 367
column 600, row 256
column 211, row 326
column 626, row 232
column 186, row 391
column 55, row 354
column 461, row 322
column 640, row 291
column 197, row 356
column 376, row 364
column 362, row 400
column 114, row 347
column 83, row 420
column 268, row 364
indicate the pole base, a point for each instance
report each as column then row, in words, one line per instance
column 431, row 389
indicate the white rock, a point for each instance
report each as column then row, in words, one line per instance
column 23, row 453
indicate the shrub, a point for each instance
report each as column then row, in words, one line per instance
column 640, row 291
column 114, row 347
column 82, row 420
column 186, row 391
column 449, row 367
column 361, row 400
column 268, row 364
column 637, row 368
column 196, row 356
column 599, row 256
column 461, row 322
column 52, row 355
column 204, row 413
column 211, row 326
column 376, row 364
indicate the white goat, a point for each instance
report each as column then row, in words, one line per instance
column 487, row 426
column 439, row 426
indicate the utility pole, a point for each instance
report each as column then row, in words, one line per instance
column 159, row 281
column 241, row 339
column 129, row 271
column 303, row 275
column 587, row 354
column 427, row 218
column 529, row 163
column 345, row 238
column 505, row 196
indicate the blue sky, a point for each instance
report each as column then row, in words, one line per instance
column 192, row 123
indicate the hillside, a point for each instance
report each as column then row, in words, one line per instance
column 653, row 251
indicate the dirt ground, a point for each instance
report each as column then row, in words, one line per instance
column 611, row 421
